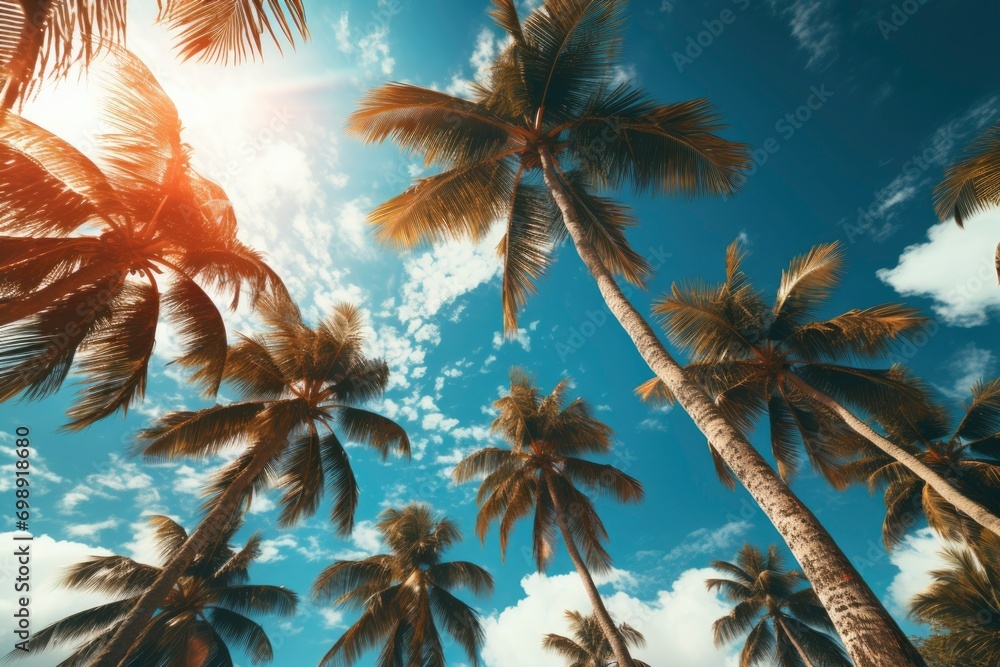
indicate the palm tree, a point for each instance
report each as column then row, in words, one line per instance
column 963, row 604
column 530, row 149
column 799, row 371
column 540, row 472
column 951, row 452
column 295, row 384
column 972, row 184
column 205, row 615
column 47, row 38
column 589, row 647
column 404, row 595
column 89, row 247
column 784, row 624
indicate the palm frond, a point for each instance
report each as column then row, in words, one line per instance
column 48, row 187
column 805, row 286
column 224, row 31
column 116, row 358
column 461, row 203
column 201, row 331
column 199, row 434
column 375, row 430
column 623, row 138
column 442, row 128
column 972, row 184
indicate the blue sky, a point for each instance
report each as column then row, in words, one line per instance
column 895, row 90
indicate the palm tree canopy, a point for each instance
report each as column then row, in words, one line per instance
column 404, row 596
column 589, row 647
column 963, row 603
column 207, row 613
column 116, row 244
column 547, row 438
column 966, row 452
column 773, row 612
column 298, row 387
column 750, row 356
column 74, row 33
column 550, row 89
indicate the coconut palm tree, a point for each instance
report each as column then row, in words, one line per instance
column 48, row 38
column 784, row 625
column 91, row 255
column 205, row 615
column 404, row 595
column 531, row 148
column 972, row 185
column 801, row 372
column 588, row 647
column 965, row 453
column 540, row 473
column 963, row 603
column 298, row 386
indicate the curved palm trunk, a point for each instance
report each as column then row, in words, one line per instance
column 131, row 628
column 36, row 13
column 795, row 642
column 618, row 647
column 943, row 487
column 871, row 636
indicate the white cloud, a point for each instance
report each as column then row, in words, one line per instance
column 709, row 542
column 652, row 424
column 484, row 53
column 522, row 338
column 812, row 27
column 39, row 470
column 916, row 557
column 969, row 365
column 624, row 74
column 435, row 278
column 677, row 623
column 955, row 268
column 91, row 529
column 271, row 550
column 116, row 476
column 371, row 48
column 332, row 619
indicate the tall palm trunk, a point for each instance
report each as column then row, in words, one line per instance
column 618, row 647
column 943, row 487
column 795, row 642
column 871, row 636
column 36, row 14
column 131, row 628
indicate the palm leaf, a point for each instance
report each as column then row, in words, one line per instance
column 623, row 138
column 972, row 184
column 201, row 331
column 117, row 357
column 224, row 31
column 461, row 203
column 805, row 286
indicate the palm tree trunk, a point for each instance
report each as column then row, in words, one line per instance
column 944, row 488
column 795, row 642
column 615, row 639
column 36, row 14
column 131, row 628
column 871, row 636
